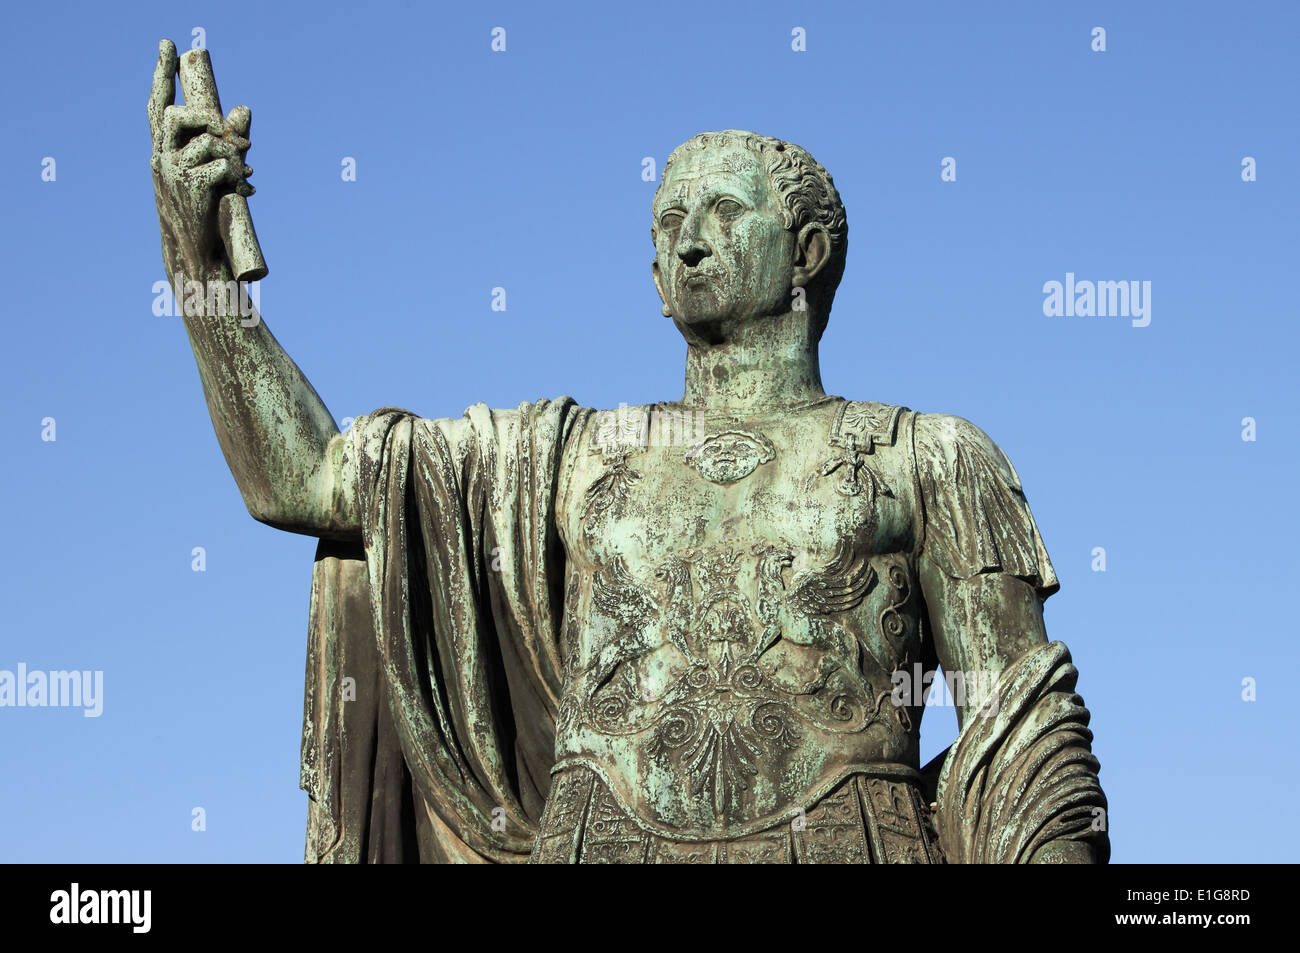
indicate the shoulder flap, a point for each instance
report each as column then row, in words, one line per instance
column 864, row 424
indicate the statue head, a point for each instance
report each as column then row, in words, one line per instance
column 740, row 222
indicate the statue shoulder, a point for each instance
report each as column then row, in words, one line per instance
column 948, row 446
column 976, row 516
column 497, row 435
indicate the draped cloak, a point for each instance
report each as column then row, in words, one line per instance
column 447, row 623
column 434, row 668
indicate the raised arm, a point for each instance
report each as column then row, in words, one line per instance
column 279, row 439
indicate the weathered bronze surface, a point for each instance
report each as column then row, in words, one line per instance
column 687, row 632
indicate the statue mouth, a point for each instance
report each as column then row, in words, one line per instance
column 693, row 282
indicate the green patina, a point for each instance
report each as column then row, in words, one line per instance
column 667, row 633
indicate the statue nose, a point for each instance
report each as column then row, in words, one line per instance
column 693, row 252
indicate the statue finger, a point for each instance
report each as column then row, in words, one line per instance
column 206, row 147
column 219, row 172
column 239, row 120
column 197, row 81
column 182, row 123
column 163, row 92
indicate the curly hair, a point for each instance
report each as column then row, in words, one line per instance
column 807, row 194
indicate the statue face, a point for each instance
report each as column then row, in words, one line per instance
column 723, row 253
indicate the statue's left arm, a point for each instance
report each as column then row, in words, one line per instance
column 1020, row 784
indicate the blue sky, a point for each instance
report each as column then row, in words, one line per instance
column 522, row 170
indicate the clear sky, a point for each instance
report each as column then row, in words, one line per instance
column 522, row 169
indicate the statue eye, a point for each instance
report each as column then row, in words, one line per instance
column 670, row 221
column 729, row 208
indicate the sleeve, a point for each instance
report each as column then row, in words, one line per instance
column 975, row 515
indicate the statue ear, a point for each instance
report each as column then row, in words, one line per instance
column 659, row 286
column 812, row 251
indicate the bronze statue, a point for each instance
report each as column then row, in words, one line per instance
column 684, row 632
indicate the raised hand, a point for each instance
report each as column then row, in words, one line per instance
column 278, row 437
column 199, row 173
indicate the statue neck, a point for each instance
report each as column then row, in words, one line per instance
column 762, row 364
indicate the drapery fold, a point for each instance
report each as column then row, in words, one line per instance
column 1021, row 773
column 443, row 751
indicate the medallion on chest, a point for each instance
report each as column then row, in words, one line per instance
column 733, row 451
column 722, row 453
column 730, row 455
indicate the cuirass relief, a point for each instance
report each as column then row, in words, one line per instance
column 739, row 593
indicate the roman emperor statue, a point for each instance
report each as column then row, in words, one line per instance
column 686, row 632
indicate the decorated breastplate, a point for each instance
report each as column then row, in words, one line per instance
column 739, row 595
